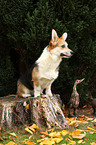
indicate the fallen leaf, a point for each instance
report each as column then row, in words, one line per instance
column 30, row 137
column 29, row 143
column 84, row 106
column 40, row 140
column 93, row 143
column 90, row 128
column 23, row 142
column 89, row 119
column 44, row 133
column 27, row 106
column 64, row 132
column 76, row 134
column 4, row 137
column 13, row 134
column 51, row 130
column 1, row 139
column 42, row 136
column 47, row 141
column 31, row 129
column 55, row 134
column 80, row 141
column 11, row 143
column 57, row 140
column 72, row 122
column 76, row 124
column 86, row 138
column 71, row 142
column 91, row 132
column 28, row 130
column 34, row 126
column 95, row 120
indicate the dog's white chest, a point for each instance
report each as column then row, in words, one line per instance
column 47, row 65
column 48, row 72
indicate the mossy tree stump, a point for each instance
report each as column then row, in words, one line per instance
column 43, row 110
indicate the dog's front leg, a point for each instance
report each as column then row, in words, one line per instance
column 37, row 91
column 48, row 91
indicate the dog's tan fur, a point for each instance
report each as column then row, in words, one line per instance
column 46, row 70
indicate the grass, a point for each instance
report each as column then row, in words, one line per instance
column 22, row 134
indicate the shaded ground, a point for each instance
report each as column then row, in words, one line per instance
column 86, row 110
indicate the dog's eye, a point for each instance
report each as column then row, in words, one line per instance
column 63, row 46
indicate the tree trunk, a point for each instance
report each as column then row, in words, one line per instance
column 43, row 110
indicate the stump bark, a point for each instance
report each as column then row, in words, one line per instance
column 43, row 110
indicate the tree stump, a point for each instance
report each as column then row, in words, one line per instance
column 42, row 110
column 13, row 111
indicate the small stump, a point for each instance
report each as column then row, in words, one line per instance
column 43, row 110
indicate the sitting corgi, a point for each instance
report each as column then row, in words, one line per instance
column 45, row 69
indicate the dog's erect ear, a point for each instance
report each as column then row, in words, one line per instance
column 54, row 36
column 64, row 36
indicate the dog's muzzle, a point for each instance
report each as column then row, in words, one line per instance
column 65, row 55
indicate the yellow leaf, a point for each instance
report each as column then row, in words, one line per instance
column 11, row 143
column 47, row 141
column 71, row 119
column 34, row 126
column 55, row 134
column 51, row 130
column 76, row 132
column 23, row 142
column 64, row 132
column 27, row 106
column 40, row 140
column 29, row 143
column 80, row 141
column 70, row 137
column 28, row 130
column 71, row 142
column 80, row 136
column 89, row 119
column 13, row 134
column 57, row 140
column 90, row 128
column 72, row 122
column 30, row 137
column 84, row 122
column 31, row 129
column 44, row 133
column 95, row 119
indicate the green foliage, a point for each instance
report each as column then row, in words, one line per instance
column 38, row 26
column 26, row 26
column 7, row 83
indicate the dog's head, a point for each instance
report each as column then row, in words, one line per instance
column 58, row 46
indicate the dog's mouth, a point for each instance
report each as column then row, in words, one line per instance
column 65, row 56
